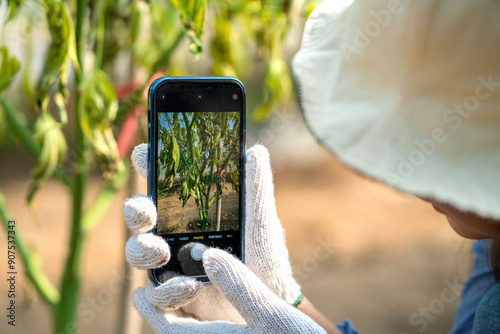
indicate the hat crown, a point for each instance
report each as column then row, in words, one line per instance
column 408, row 92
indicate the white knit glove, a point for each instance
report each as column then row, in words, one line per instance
column 255, row 297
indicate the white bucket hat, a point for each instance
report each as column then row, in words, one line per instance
column 408, row 93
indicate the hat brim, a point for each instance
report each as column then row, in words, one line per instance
column 393, row 120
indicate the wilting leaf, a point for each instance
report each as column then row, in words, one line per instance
column 185, row 190
column 62, row 50
column 100, row 105
column 193, row 17
column 279, row 88
column 308, row 7
column 13, row 7
column 49, row 136
column 175, row 153
column 9, row 66
column 63, row 47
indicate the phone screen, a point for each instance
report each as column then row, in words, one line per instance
column 198, row 186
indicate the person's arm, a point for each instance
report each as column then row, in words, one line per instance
column 308, row 308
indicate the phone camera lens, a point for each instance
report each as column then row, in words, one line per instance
column 163, row 96
column 235, row 97
column 199, row 97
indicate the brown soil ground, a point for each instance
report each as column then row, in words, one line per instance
column 389, row 254
column 173, row 218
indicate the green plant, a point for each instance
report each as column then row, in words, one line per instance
column 77, row 106
column 199, row 151
column 163, row 190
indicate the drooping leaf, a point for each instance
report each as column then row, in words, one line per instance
column 175, row 154
column 62, row 51
column 13, row 6
column 100, row 104
column 48, row 134
column 63, row 47
column 193, row 17
column 9, row 66
column 184, row 192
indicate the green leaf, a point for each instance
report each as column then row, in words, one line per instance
column 105, row 88
column 14, row 6
column 212, row 200
column 184, row 190
column 3, row 125
column 193, row 17
column 48, row 133
column 62, row 51
column 100, row 105
column 261, row 112
column 175, row 153
column 136, row 20
column 62, row 48
column 193, row 193
column 308, row 8
column 9, row 66
column 61, row 105
column 100, row 100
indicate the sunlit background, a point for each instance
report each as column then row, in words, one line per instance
column 359, row 249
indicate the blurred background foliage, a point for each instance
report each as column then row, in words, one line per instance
column 72, row 81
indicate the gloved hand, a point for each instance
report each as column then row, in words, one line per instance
column 252, row 298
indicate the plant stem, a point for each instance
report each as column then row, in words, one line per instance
column 81, row 7
column 31, row 266
column 188, row 133
column 66, row 314
column 99, row 41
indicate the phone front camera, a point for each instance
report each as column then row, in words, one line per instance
column 235, row 97
column 163, row 96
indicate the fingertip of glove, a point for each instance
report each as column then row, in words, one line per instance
column 213, row 255
column 217, row 261
column 174, row 293
column 139, row 159
column 147, row 251
column 140, row 213
column 257, row 152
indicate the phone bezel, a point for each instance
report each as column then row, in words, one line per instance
column 153, row 110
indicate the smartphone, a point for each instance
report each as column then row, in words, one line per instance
column 196, row 174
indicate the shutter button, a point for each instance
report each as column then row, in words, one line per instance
column 197, row 251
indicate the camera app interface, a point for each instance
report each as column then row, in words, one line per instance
column 198, row 182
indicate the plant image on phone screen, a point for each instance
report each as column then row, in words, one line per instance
column 198, row 196
column 198, row 172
